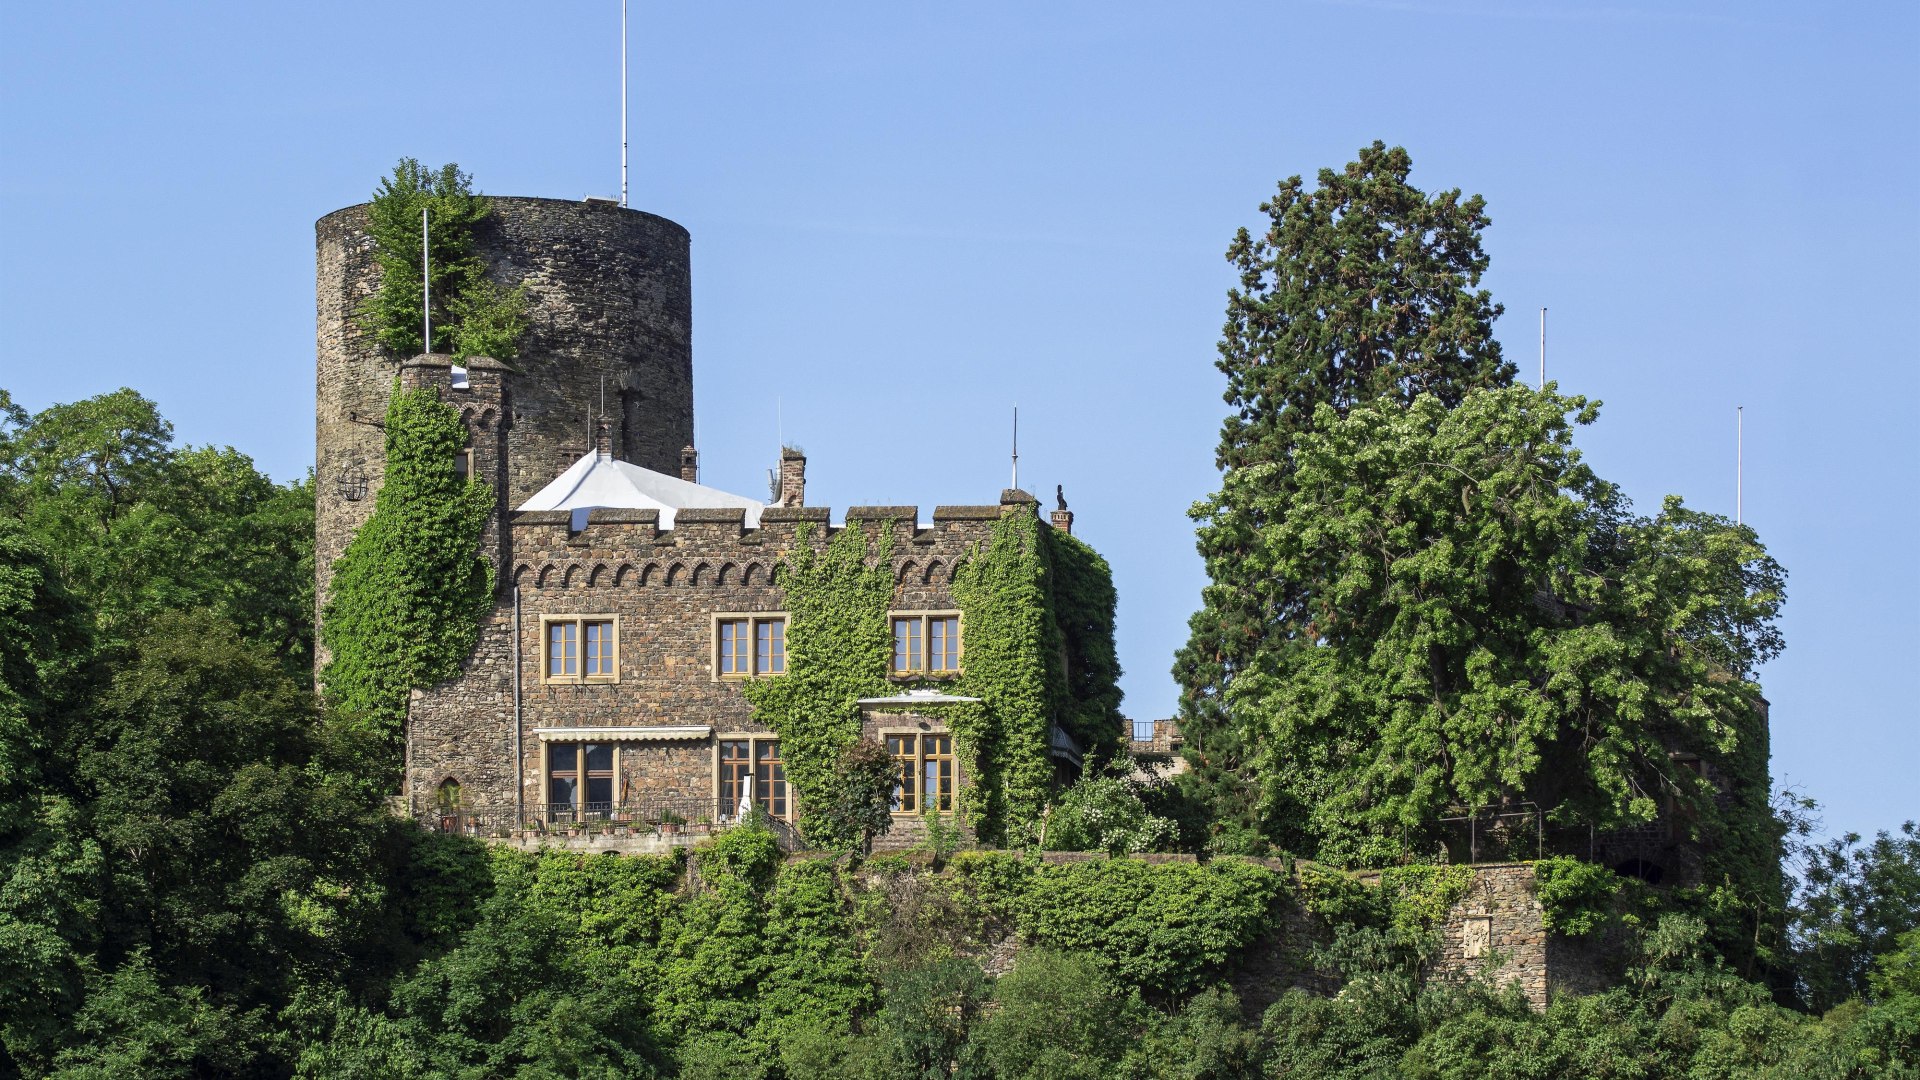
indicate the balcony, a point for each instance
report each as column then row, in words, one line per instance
column 636, row 828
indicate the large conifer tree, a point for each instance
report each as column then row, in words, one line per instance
column 1361, row 287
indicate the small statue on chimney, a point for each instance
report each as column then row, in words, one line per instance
column 1060, row 495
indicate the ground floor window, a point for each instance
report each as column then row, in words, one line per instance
column 923, row 763
column 760, row 759
column 580, row 777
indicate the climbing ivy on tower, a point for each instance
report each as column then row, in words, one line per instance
column 409, row 591
column 472, row 315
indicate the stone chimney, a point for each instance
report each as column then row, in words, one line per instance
column 793, row 477
column 689, row 464
column 603, row 437
column 1062, row 517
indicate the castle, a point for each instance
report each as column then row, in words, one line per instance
column 604, row 703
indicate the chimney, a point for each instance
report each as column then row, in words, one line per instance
column 603, row 437
column 793, row 477
column 690, row 465
column 1061, row 516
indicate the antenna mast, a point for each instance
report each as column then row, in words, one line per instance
column 1016, row 447
column 1739, row 463
column 426, row 288
column 623, row 102
column 1543, row 348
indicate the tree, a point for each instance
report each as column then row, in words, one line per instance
column 1361, row 287
column 1857, row 903
column 471, row 315
column 1487, row 623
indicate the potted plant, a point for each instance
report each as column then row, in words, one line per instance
column 670, row 823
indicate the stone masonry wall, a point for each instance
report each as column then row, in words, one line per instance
column 610, row 300
column 665, row 587
column 1498, row 929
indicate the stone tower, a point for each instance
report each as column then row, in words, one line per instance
column 609, row 304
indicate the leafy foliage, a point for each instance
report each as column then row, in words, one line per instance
column 1576, row 898
column 1486, row 627
column 472, row 315
column 837, row 653
column 1857, row 902
column 1107, row 813
column 411, row 588
column 1361, row 287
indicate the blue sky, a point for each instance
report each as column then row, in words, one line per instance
column 906, row 218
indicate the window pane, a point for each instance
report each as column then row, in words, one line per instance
column 560, row 649
column 733, row 773
column 599, row 654
column 906, row 645
column 733, row 647
column 599, row 757
column 599, row 793
column 563, row 757
column 562, row 791
column 905, row 762
column 769, row 647
column 943, row 644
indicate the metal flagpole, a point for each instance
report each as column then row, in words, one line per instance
column 1739, row 464
column 426, row 288
column 623, row 102
column 1543, row 348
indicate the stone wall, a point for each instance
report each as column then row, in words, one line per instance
column 610, row 302
column 665, row 587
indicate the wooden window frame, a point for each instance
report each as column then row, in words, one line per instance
column 753, row 619
column 580, row 812
column 580, row 678
column 724, row 807
column 920, row 757
column 926, row 644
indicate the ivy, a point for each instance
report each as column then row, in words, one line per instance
column 409, row 591
column 472, row 316
column 1419, row 896
column 1037, row 619
column 1577, row 898
column 837, row 653
column 1007, row 641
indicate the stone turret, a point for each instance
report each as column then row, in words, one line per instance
column 610, row 313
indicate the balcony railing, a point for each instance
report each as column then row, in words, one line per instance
column 673, row 817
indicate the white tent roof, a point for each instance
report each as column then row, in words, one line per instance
column 598, row 481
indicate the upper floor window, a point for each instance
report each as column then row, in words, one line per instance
column 750, row 645
column 581, row 648
column 463, row 463
column 926, row 644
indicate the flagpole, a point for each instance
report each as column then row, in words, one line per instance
column 426, row 288
column 623, row 102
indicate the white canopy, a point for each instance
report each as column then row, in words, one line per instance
column 598, row 481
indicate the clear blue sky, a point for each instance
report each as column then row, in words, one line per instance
column 908, row 217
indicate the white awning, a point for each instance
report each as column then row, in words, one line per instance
column 919, row 697
column 620, row 734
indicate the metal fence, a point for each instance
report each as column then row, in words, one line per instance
column 691, row 818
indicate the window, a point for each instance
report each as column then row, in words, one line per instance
column 746, row 646
column 463, row 464
column 924, row 769
column 581, row 648
column 926, row 644
column 579, row 778
column 758, row 758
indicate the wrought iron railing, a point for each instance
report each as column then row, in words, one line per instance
column 670, row 817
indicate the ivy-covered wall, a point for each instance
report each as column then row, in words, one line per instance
column 408, row 595
column 1037, row 611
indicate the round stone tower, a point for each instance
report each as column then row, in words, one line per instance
column 609, row 305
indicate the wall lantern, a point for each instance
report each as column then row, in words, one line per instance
column 352, row 482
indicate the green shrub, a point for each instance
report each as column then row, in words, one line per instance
column 1576, row 898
